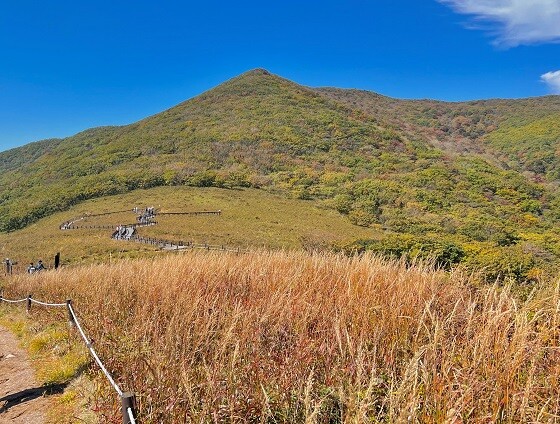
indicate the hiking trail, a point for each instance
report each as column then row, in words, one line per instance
column 22, row 399
column 145, row 218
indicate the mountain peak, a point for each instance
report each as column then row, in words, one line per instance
column 256, row 72
column 257, row 81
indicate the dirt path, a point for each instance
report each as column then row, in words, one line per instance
column 22, row 400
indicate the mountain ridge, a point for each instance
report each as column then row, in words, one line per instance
column 264, row 72
column 438, row 171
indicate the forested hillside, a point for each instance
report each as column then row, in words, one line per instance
column 469, row 182
column 522, row 134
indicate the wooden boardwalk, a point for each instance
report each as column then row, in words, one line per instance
column 128, row 232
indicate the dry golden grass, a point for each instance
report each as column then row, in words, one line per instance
column 296, row 337
column 250, row 218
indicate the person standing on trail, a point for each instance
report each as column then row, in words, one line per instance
column 31, row 268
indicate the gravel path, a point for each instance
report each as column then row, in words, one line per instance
column 22, row 400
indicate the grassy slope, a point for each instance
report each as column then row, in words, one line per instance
column 250, row 218
column 290, row 337
column 414, row 168
column 256, row 129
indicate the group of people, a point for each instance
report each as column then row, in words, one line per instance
column 145, row 216
column 123, row 232
column 31, row 269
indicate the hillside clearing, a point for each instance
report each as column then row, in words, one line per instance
column 249, row 218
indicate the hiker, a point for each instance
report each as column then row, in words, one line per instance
column 57, row 260
column 31, row 268
column 40, row 266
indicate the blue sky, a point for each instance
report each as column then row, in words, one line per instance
column 70, row 65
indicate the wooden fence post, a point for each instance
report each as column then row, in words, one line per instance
column 70, row 316
column 28, row 303
column 128, row 401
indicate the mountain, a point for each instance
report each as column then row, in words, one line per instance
column 250, row 127
column 522, row 134
column 461, row 179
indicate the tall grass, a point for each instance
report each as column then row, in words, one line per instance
column 297, row 337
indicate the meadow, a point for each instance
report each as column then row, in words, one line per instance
column 250, row 218
column 292, row 336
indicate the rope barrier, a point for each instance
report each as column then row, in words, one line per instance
column 92, row 351
column 175, row 245
column 12, row 301
column 192, row 213
column 47, row 304
column 131, row 416
column 125, row 398
column 105, row 213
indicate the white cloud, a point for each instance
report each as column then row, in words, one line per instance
column 513, row 22
column 552, row 79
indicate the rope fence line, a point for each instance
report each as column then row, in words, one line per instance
column 128, row 400
column 181, row 245
column 47, row 304
column 105, row 213
column 219, row 212
column 69, row 225
column 92, row 350
column 92, row 227
column 103, row 227
column 12, row 301
column 131, row 416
